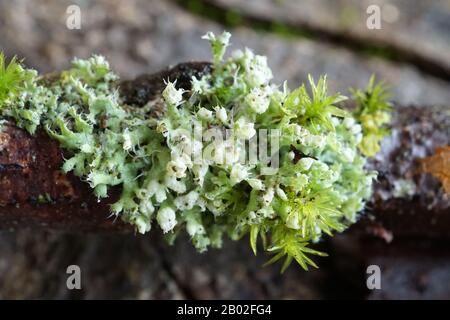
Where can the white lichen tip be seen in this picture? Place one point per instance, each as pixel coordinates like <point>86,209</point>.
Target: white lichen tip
<point>171,94</point>
<point>218,44</point>
<point>258,100</point>
<point>166,219</point>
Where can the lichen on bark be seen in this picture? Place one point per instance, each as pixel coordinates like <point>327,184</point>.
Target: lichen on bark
<point>319,188</point>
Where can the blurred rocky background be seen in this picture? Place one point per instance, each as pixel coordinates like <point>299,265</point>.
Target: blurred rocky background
<point>300,37</point>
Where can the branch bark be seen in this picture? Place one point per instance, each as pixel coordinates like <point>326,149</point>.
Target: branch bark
<point>35,192</point>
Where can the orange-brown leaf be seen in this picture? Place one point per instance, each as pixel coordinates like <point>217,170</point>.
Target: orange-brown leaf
<point>439,166</point>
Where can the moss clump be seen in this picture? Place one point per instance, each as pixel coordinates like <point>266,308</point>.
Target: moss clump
<point>374,113</point>
<point>194,168</point>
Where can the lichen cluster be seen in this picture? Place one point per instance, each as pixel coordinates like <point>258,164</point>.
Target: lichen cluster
<point>184,170</point>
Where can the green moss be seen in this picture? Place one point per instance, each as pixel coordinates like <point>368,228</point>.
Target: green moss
<point>183,182</point>
<point>13,78</point>
<point>373,111</point>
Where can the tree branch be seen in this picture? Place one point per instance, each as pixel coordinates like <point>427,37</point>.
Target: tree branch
<point>35,192</point>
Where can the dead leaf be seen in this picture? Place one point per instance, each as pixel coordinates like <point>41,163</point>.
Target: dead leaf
<point>439,166</point>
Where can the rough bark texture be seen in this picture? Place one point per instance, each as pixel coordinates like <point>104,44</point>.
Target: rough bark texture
<point>35,192</point>
<point>415,134</point>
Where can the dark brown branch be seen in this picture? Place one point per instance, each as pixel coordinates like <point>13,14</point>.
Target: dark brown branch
<point>34,191</point>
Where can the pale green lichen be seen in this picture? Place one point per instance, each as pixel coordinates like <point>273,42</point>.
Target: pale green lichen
<point>174,171</point>
<point>403,188</point>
